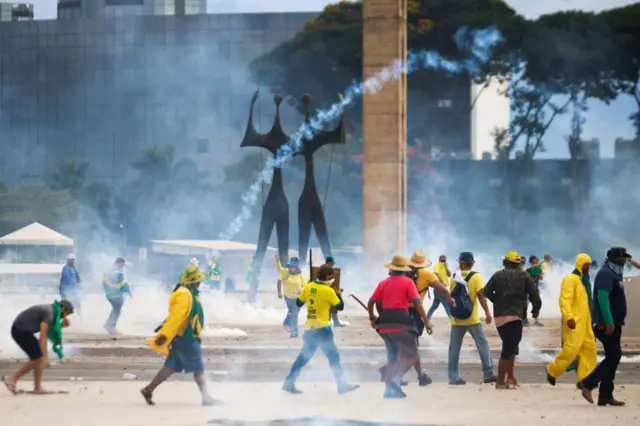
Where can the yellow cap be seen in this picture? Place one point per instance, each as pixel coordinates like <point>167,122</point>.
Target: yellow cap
<point>512,256</point>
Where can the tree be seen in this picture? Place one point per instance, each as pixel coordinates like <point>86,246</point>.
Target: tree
<point>68,175</point>
<point>32,202</point>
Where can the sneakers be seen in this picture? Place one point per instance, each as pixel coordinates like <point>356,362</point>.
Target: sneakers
<point>211,402</point>
<point>538,324</point>
<point>346,388</point>
<point>290,386</point>
<point>457,382</point>
<point>424,380</point>
<point>393,391</point>
<point>492,379</point>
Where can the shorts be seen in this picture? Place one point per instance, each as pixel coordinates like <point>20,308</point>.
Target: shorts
<point>511,335</point>
<point>27,342</point>
<point>401,342</point>
<point>185,356</point>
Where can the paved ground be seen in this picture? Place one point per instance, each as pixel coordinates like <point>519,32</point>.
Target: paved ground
<point>119,403</point>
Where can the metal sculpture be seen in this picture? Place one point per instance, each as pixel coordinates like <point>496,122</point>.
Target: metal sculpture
<point>310,209</point>
<point>275,211</point>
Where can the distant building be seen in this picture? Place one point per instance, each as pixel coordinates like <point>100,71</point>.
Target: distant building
<point>490,109</point>
<point>625,148</point>
<point>16,12</point>
<point>80,9</point>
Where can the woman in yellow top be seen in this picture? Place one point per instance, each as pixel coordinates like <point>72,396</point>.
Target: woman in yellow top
<point>441,269</point>
<point>179,337</point>
<point>293,282</point>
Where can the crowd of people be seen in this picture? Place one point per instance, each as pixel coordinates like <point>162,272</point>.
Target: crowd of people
<point>396,312</point>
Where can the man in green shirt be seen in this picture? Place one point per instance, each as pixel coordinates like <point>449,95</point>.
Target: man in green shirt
<point>535,271</point>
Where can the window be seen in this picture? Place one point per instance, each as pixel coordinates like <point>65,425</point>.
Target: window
<point>445,103</point>
<point>123,2</point>
<point>202,146</point>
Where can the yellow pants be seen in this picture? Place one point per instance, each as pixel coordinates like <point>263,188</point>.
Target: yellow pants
<point>577,343</point>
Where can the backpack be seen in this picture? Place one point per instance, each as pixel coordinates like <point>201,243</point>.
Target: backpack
<point>464,306</point>
<point>414,276</point>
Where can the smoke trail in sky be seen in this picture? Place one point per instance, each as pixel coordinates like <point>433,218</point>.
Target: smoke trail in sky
<point>477,44</point>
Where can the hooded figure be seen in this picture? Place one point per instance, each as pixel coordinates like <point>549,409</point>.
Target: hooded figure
<point>578,340</point>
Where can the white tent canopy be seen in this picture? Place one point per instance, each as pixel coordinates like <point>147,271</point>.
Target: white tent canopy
<point>201,247</point>
<point>36,234</point>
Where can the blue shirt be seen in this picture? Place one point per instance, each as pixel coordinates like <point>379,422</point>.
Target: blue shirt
<point>608,280</point>
<point>69,278</point>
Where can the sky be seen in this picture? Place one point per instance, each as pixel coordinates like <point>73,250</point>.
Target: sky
<point>605,122</point>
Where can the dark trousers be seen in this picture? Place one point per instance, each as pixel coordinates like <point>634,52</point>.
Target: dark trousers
<point>116,310</point>
<point>605,372</point>
<point>312,340</point>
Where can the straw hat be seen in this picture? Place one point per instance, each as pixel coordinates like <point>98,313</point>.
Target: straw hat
<point>419,260</point>
<point>398,264</point>
<point>192,275</point>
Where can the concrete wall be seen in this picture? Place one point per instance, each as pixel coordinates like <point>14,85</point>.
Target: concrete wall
<point>632,291</point>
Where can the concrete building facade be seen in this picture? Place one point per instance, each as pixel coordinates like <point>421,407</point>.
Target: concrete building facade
<point>15,12</point>
<point>92,9</point>
<point>105,89</point>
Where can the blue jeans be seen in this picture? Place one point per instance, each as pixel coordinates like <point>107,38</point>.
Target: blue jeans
<point>291,320</point>
<point>312,340</point>
<point>116,310</point>
<point>438,300</point>
<point>455,346</point>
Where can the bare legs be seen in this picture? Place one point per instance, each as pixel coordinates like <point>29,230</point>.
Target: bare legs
<point>506,374</point>
<point>164,374</point>
<point>38,367</point>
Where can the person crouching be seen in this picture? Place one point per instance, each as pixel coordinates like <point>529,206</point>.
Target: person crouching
<point>48,320</point>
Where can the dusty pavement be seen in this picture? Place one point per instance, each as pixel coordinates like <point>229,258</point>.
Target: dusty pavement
<point>119,403</point>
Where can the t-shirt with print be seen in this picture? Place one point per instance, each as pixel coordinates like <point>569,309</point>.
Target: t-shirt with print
<point>30,319</point>
<point>292,284</point>
<point>319,298</point>
<point>422,282</point>
<point>395,292</point>
<point>475,284</point>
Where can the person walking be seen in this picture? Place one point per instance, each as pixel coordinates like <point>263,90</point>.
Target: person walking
<point>179,337</point>
<point>70,283</point>
<point>48,320</point>
<point>441,269</point>
<point>115,288</point>
<point>214,273</point>
<point>535,270</point>
<point>290,285</point>
<point>609,314</point>
<point>319,298</point>
<point>395,325</point>
<point>578,340</point>
<point>465,318</point>
<point>508,290</point>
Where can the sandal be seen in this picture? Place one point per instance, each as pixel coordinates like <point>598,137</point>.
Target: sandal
<point>505,386</point>
<point>10,386</point>
<point>148,396</point>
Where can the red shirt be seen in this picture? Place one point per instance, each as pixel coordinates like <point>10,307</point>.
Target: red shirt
<point>395,292</point>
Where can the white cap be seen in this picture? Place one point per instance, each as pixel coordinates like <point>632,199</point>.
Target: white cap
<point>194,262</point>
<point>71,257</point>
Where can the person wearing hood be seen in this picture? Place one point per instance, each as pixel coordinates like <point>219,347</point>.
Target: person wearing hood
<point>290,285</point>
<point>609,314</point>
<point>578,340</point>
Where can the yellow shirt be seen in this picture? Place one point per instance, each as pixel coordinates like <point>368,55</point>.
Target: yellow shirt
<point>319,298</point>
<point>475,284</point>
<point>440,269</point>
<point>292,285</point>
<point>422,282</point>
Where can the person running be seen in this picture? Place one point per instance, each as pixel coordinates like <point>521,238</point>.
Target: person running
<point>609,314</point>
<point>115,288</point>
<point>334,312</point>
<point>536,273</point>
<point>292,281</point>
<point>508,290</point>
<point>70,283</point>
<point>319,298</point>
<point>441,269</point>
<point>578,340</point>
<point>48,320</point>
<point>395,325</point>
<point>179,337</point>
<point>469,321</point>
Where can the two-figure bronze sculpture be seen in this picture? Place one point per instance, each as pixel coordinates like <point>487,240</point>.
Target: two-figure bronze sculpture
<point>275,212</point>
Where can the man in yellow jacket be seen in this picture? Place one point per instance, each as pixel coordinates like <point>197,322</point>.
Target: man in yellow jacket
<point>293,282</point>
<point>179,337</point>
<point>578,340</point>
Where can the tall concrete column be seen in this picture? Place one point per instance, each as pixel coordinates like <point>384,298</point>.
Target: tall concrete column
<point>384,133</point>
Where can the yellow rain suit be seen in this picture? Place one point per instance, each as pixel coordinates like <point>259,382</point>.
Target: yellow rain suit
<point>579,342</point>
<point>175,324</point>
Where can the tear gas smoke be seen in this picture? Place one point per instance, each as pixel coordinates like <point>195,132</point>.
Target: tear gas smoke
<point>477,44</point>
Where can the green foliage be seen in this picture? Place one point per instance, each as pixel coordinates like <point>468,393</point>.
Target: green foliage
<point>68,175</point>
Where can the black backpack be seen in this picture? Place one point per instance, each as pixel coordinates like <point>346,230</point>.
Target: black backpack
<point>414,276</point>
<point>464,306</point>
